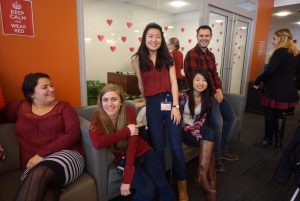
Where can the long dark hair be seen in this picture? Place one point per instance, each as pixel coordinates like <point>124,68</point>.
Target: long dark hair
<point>163,58</point>
<point>205,95</point>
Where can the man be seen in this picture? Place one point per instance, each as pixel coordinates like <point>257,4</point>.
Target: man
<point>223,118</point>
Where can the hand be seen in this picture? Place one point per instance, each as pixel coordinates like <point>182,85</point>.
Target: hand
<point>125,189</point>
<point>140,104</point>
<point>133,129</point>
<point>33,161</point>
<point>219,95</point>
<point>256,87</point>
<point>175,115</point>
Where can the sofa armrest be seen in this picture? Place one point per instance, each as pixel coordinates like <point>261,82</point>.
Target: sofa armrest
<point>9,141</point>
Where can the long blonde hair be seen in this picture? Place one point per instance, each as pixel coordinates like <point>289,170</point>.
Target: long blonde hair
<point>286,41</point>
<point>103,120</point>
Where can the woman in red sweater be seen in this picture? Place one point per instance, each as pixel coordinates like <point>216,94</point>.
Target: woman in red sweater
<point>113,125</point>
<point>48,132</point>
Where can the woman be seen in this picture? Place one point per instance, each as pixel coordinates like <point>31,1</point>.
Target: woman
<point>174,46</point>
<point>114,125</point>
<point>154,68</point>
<point>48,131</point>
<point>195,105</point>
<point>280,92</point>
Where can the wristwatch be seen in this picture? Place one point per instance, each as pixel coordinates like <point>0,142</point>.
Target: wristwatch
<point>177,106</point>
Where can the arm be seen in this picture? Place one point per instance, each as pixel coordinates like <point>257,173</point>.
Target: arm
<point>187,66</point>
<point>10,112</point>
<point>136,68</point>
<point>175,114</point>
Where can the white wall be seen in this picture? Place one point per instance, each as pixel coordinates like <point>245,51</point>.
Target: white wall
<point>100,59</point>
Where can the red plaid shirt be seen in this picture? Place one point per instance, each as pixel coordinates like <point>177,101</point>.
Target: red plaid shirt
<point>196,59</point>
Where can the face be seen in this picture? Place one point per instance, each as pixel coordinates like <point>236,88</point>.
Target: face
<point>44,92</point>
<point>203,37</point>
<point>111,103</point>
<point>275,40</point>
<point>199,83</point>
<point>153,39</point>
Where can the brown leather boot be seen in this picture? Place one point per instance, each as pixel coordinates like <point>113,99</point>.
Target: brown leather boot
<point>182,190</point>
<point>212,179</point>
<point>205,157</point>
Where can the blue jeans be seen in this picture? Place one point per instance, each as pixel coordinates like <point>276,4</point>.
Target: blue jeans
<point>149,179</point>
<point>190,140</point>
<point>157,121</point>
<point>222,121</point>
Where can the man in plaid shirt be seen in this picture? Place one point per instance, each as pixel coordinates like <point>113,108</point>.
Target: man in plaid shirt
<point>222,117</point>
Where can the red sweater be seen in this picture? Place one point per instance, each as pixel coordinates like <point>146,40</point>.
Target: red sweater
<point>43,135</point>
<point>136,145</point>
<point>178,61</point>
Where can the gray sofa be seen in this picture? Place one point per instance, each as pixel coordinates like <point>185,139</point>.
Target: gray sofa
<point>84,188</point>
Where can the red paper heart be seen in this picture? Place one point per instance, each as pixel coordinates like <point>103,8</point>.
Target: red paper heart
<point>221,32</point>
<point>240,36</point>
<point>166,28</point>
<point>123,38</point>
<point>182,48</point>
<point>100,37</point>
<point>239,47</point>
<point>140,39</point>
<point>109,21</point>
<point>210,49</point>
<point>221,23</point>
<point>129,24</point>
<point>218,50</point>
<point>217,40</point>
<point>190,40</point>
<point>113,48</point>
<point>182,29</point>
<point>131,49</point>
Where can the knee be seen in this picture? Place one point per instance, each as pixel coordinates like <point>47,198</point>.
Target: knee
<point>147,192</point>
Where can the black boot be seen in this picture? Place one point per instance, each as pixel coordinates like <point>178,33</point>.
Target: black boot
<point>269,130</point>
<point>279,131</point>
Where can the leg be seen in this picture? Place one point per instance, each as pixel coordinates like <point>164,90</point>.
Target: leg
<point>157,175</point>
<point>279,128</point>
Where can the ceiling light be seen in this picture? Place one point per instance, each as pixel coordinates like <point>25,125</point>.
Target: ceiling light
<point>243,28</point>
<point>136,31</point>
<point>178,4</point>
<point>298,23</point>
<point>170,27</point>
<point>219,21</point>
<point>282,13</point>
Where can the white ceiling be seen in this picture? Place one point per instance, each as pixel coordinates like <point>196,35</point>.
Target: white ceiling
<point>287,21</point>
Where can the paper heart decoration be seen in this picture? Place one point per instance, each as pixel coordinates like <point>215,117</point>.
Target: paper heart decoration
<point>100,37</point>
<point>217,40</point>
<point>131,49</point>
<point>166,28</point>
<point>113,48</point>
<point>236,33</point>
<point>235,43</point>
<point>182,48</point>
<point>221,23</point>
<point>221,32</point>
<point>182,29</point>
<point>210,49</point>
<point>212,25</point>
<point>123,39</point>
<point>218,50</point>
<point>109,21</point>
<point>240,36</point>
<point>190,40</point>
<point>239,47</point>
<point>234,62</point>
<point>239,57</point>
<point>129,24</point>
<point>140,39</point>
<point>217,64</point>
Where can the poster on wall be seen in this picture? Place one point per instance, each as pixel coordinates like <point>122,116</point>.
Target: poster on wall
<point>17,17</point>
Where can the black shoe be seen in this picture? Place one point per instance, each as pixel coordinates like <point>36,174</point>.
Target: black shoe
<point>262,144</point>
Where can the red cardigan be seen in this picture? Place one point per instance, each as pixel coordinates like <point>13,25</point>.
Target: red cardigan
<point>43,135</point>
<point>136,145</point>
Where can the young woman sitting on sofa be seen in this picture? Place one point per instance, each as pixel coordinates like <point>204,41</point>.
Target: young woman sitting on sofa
<point>113,125</point>
<point>48,132</point>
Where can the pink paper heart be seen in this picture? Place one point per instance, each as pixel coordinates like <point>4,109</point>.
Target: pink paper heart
<point>109,21</point>
<point>210,49</point>
<point>123,38</point>
<point>182,29</point>
<point>140,39</point>
<point>113,48</point>
<point>221,32</point>
<point>182,48</point>
<point>166,28</point>
<point>129,24</point>
<point>190,40</point>
<point>131,49</point>
<point>100,37</point>
<point>218,50</point>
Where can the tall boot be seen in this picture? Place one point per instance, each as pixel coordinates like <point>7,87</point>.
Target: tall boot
<point>182,190</point>
<point>269,131</point>
<point>205,157</point>
<point>279,131</point>
<point>212,178</point>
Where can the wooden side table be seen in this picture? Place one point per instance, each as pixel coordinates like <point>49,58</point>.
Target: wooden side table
<point>129,83</point>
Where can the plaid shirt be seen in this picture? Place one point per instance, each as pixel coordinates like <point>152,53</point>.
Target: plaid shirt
<point>196,59</point>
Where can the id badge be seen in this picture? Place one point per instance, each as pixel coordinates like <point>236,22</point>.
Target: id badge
<point>165,106</point>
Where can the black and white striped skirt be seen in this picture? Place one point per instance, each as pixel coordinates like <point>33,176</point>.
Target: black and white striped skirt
<point>71,162</point>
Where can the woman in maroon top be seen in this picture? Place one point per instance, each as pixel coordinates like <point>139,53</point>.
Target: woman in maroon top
<point>49,137</point>
<point>114,125</point>
<point>154,68</point>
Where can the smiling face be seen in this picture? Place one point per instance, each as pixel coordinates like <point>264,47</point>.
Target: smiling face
<point>199,83</point>
<point>111,103</point>
<point>153,39</point>
<point>203,37</point>
<point>44,92</point>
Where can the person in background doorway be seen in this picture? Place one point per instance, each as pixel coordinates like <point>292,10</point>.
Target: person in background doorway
<point>48,132</point>
<point>114,125</point>
<point>154,68</point>
<point>223,118</point>
<point>174,46</point>
<point>280,92</point>
<point>195,106</point>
